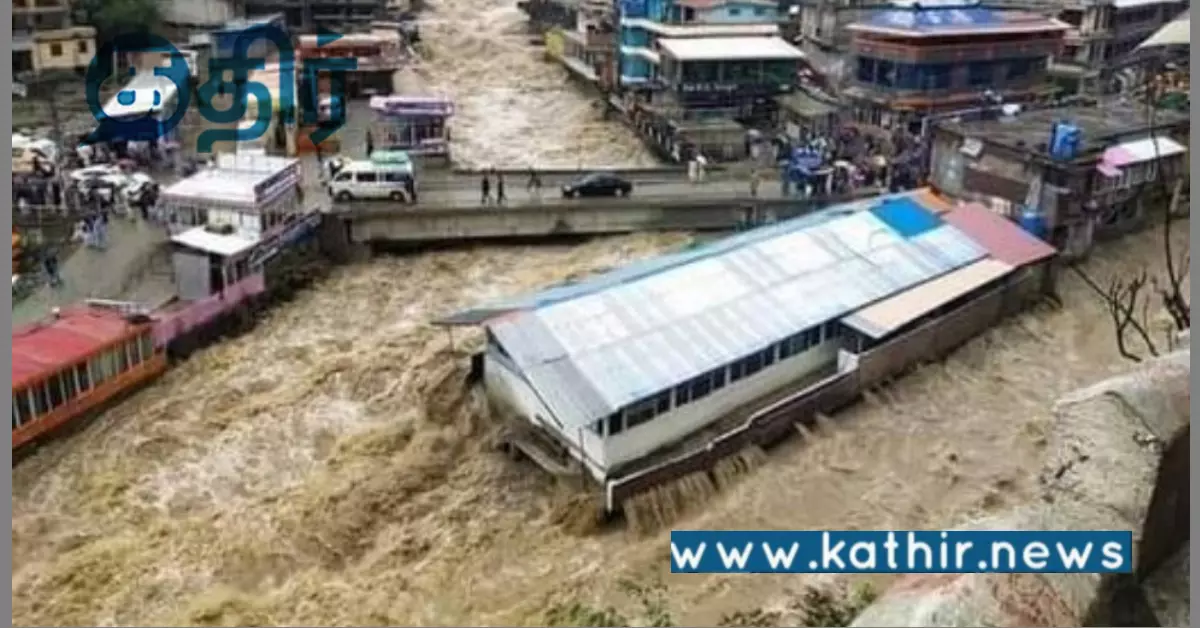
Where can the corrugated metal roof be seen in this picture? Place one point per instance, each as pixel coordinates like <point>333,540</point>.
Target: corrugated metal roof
<point>200,238</point>
<point>636,270</point>
<point>884,317</point>
<point>599,351</point>
<point>1177,32</point>
<point>1003,239</point>
<point>59,342</point>
<point>953,20</point>
<point>729,48</point>
<point>237,178</point>
<point>1141,151</point>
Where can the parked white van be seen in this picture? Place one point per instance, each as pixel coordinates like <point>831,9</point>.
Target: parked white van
<point>367,180</point>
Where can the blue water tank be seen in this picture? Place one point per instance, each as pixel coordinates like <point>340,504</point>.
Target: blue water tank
<point>1034,223</point>
<point>1065,141</point>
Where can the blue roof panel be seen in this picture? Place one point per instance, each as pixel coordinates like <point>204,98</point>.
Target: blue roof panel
<point>937,18</point>
<point>906,216</point>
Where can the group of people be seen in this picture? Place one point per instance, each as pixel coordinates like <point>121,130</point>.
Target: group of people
<point>851,159</point>
<point>533,187</point>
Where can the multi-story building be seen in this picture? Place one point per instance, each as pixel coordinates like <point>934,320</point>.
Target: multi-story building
<point>694,74</point>
<point>914,59</point>
<point>44,39</point>
<point>588,47</point>
<point>307,15</point>
<point>643,23</point>
<point>1121,168</point>
<point>1100,52</point>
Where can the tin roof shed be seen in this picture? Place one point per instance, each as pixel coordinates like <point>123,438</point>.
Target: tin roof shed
<point>71,337</point>
<point>591,349</point>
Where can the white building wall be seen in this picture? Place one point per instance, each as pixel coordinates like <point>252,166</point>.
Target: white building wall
<point>198,12</point>
<point>505,387</point>
<point>678,423</point>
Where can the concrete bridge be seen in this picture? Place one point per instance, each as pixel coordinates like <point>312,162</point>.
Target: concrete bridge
<point>457,214</point>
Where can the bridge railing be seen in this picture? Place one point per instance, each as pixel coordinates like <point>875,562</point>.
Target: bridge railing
<point>703,195</point>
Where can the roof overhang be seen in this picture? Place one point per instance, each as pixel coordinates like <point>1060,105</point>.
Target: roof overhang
<point>885,317</point>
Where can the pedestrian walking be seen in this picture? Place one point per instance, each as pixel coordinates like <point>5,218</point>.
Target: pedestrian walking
<point>485,190</point>
<point>50,263</point>
<point>411,186</point>
<point>370,144</point>
<point>534,186</point>
<point>100,230</point>
<point>500,197</point>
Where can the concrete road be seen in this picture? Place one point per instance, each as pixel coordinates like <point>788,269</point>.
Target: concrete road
<point>552,196</point>
<point>130,268</point>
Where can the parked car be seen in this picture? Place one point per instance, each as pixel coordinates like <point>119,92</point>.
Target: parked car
<point>597,184</point>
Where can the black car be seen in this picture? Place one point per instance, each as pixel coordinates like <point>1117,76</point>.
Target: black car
<point>597,184</point>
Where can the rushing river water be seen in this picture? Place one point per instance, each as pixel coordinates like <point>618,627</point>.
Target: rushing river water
<point>328,468</point>
<point>514,108</point>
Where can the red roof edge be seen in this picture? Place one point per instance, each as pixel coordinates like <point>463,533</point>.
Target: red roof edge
<point>1003,239</point>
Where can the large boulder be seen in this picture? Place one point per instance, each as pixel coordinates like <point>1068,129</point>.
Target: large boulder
<point>1117,458</point>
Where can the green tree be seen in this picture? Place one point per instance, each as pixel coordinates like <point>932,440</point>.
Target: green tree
<point>115,17</point>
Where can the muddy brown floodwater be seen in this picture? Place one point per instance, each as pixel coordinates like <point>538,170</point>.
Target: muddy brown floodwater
<point>328,469</point>
<point>514,108</point>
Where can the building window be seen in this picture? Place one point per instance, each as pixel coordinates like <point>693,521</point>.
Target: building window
<point>615,424</point>
<point>754,364</point>
<point>759,11</point>
<point>1019,68</point>
<point>662,402</point>
<point>689,14</point>
<point>734,12</point>
<point>866,70</point>
<point>718,379</point>
<point>70,387</point>
<point>56,50</point>
<point>683,393</point>
<point>54,386</point>
<point>980,74</point>
<point>122,358</point>
<point>82,47</point>
<point>147,342</point>
<point>639,413</point>
<point>41,399</point>
<point>81,376</point>
<point>885,73</point>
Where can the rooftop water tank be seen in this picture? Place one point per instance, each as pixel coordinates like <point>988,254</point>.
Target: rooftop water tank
<point>1065,141</point>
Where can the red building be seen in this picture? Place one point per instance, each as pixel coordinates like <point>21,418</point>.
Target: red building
<point>378,55</point>
<point>915,59</point>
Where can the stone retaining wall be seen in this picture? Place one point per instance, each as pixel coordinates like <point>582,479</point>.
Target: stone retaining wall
<point>1117,459</point>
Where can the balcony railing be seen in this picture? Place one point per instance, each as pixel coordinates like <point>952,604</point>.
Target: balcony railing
<point>982,51</point>
<point>592,39</point>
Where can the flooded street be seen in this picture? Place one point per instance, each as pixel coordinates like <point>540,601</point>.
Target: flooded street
<point>329,469</point>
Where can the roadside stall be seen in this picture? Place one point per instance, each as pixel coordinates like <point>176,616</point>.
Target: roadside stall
<point>250,193</point>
